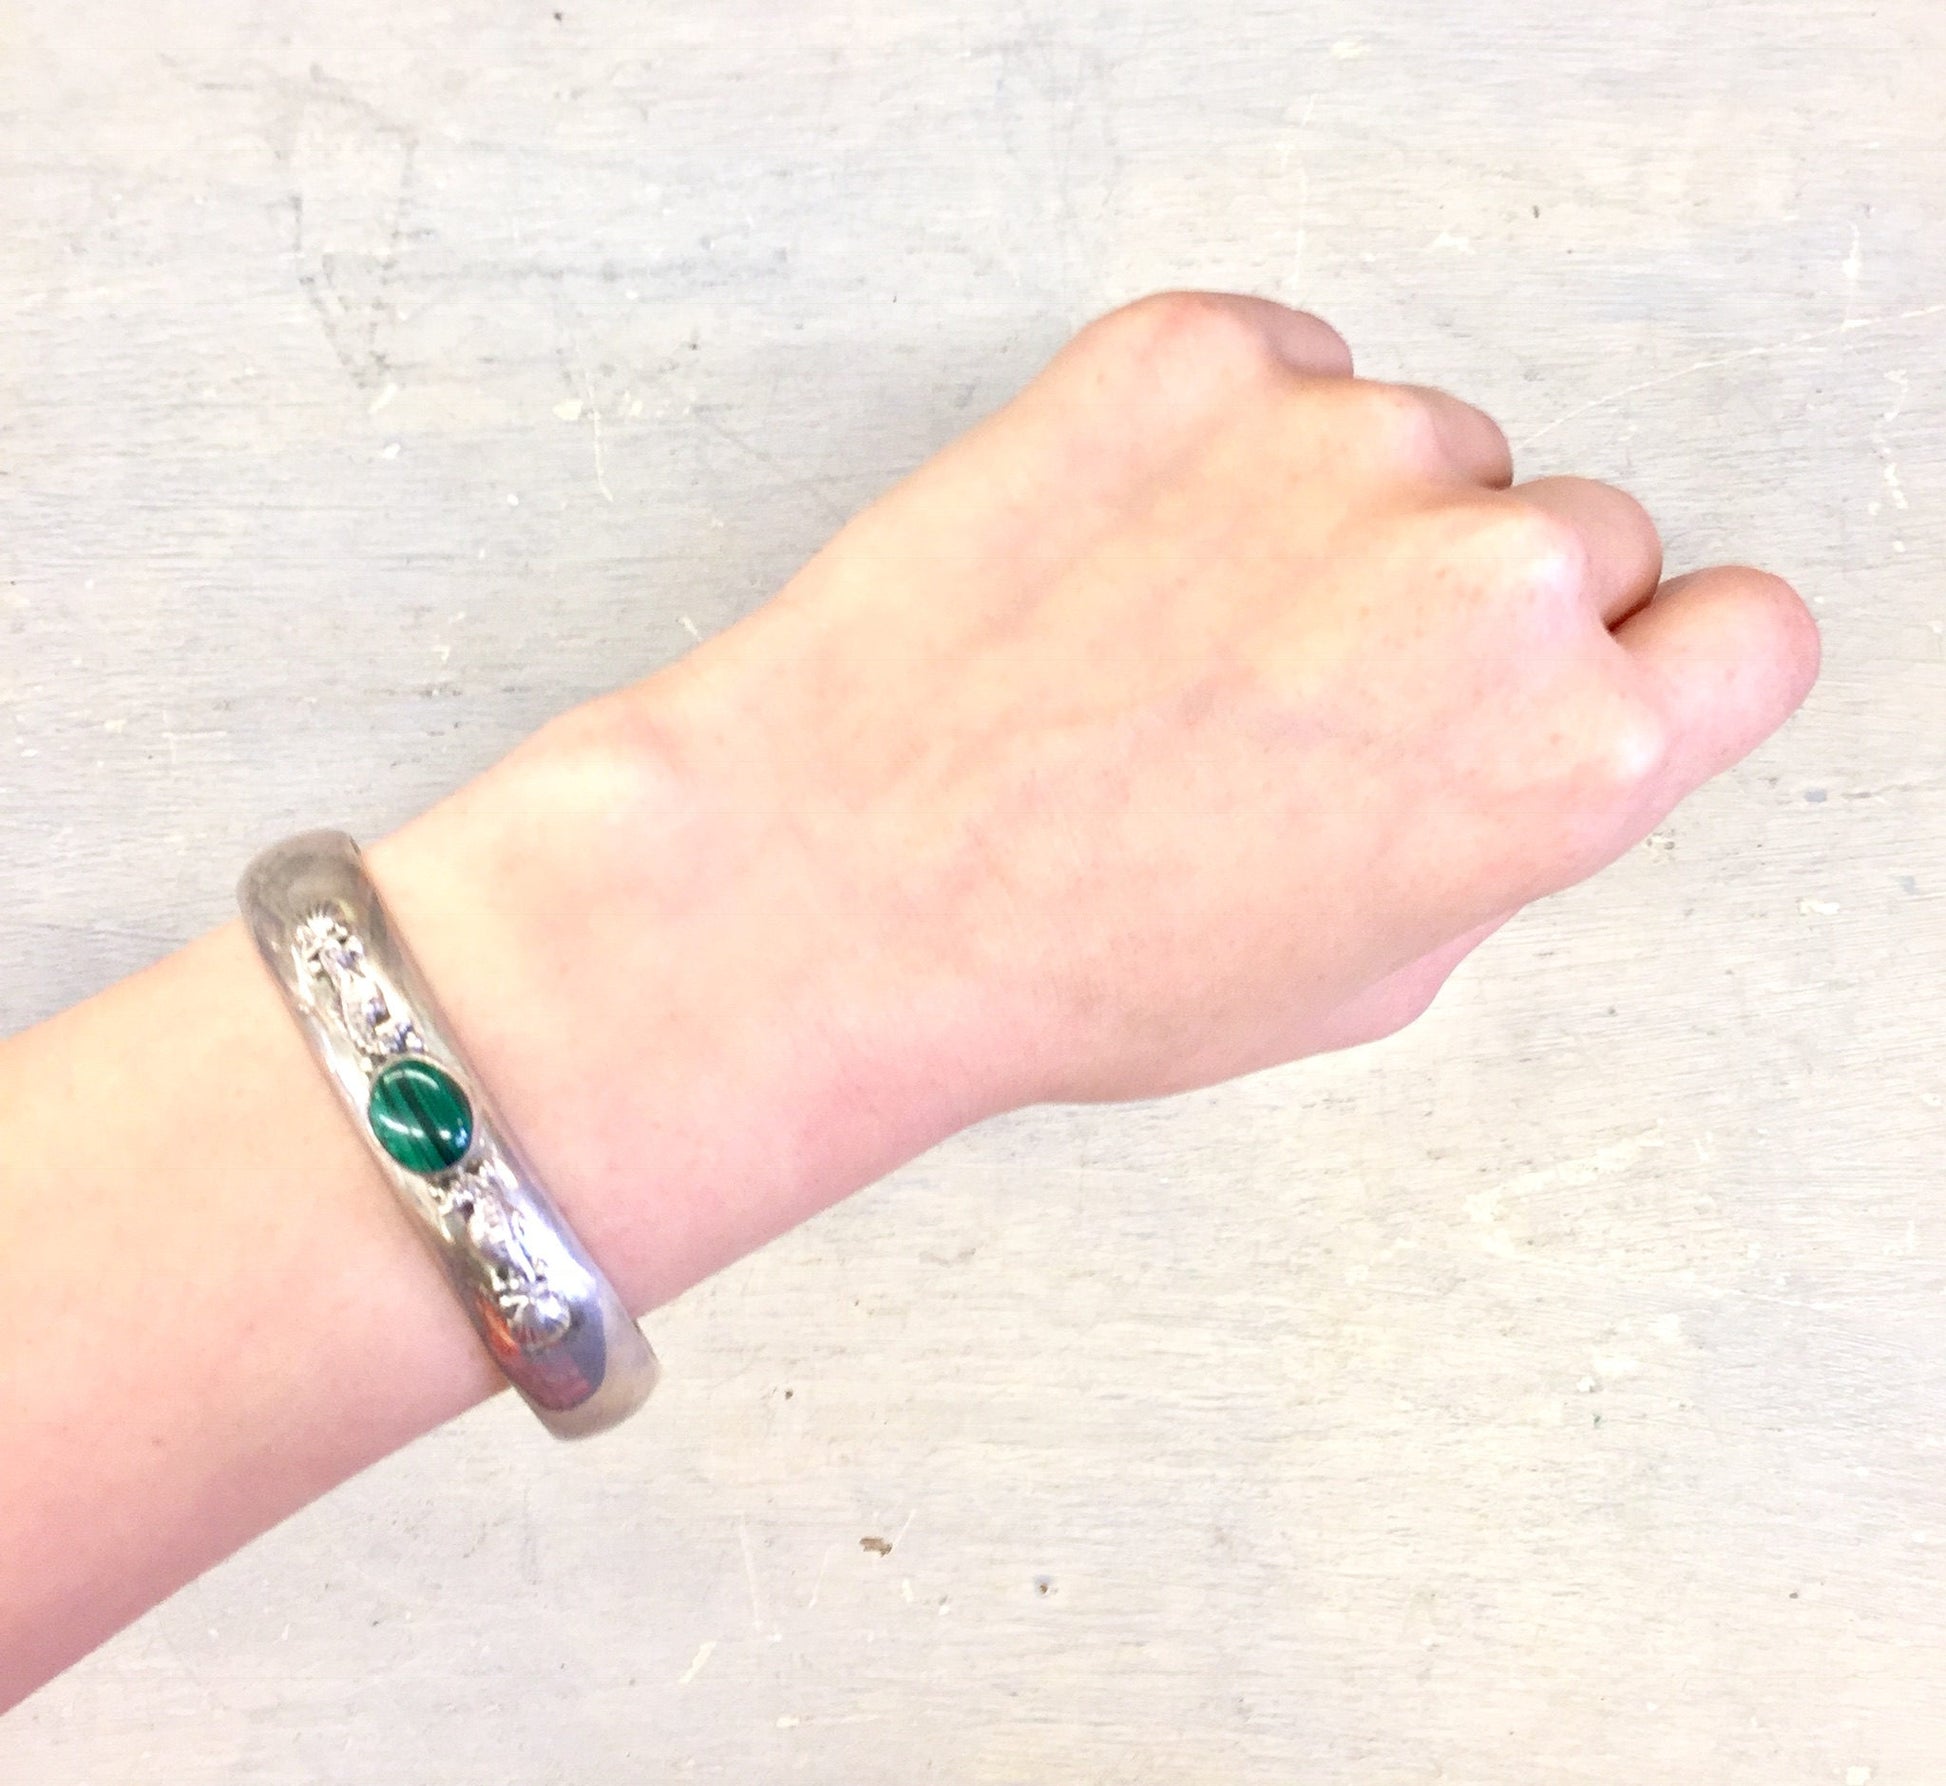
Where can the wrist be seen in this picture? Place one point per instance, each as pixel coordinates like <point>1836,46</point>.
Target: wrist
<point>697,1035</point>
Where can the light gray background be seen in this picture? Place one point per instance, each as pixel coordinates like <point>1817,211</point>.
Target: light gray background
<point>1553,1394</point>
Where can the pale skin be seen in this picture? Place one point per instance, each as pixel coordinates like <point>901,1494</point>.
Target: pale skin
<point>1198,711</point>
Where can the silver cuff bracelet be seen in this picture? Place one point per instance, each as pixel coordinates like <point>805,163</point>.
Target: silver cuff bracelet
<point>552,1323</point>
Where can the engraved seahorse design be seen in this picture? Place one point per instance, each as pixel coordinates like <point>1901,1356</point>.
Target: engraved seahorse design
<point>328,951</point>
<point>481,1195</point>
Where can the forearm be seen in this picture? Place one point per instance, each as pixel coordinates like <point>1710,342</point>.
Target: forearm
<point>1196,712</point>
<point>222,1318</point>
<point>218,1312</point>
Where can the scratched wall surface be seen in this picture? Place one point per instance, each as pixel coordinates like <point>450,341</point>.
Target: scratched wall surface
<point>1556,1393</point>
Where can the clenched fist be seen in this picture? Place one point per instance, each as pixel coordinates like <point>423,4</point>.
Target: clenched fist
<point>1202,707</point>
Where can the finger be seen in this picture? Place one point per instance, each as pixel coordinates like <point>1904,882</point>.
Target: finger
<point>1195,350</point>
<point>1472,439</point>
<point>1304,342</point>
<point>1728,655</point>
<point>1624,550</point>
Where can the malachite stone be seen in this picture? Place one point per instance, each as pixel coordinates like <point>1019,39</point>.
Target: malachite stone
<point>420,1115</point>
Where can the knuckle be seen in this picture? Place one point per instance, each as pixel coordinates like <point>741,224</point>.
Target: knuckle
<point>1607,776</point>
<point>1201,333</point>
<point>1530,552</point>
<point>1626,751</point>
<point>1388,424</point>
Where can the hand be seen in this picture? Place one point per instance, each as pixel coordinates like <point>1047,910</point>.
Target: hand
<point>1198,710</point>
<point>1202,708</point>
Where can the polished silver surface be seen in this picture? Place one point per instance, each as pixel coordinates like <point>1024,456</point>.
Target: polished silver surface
<point>552,1323</point>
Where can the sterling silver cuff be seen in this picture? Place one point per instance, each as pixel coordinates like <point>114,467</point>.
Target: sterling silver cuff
<point>550,1320</point>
